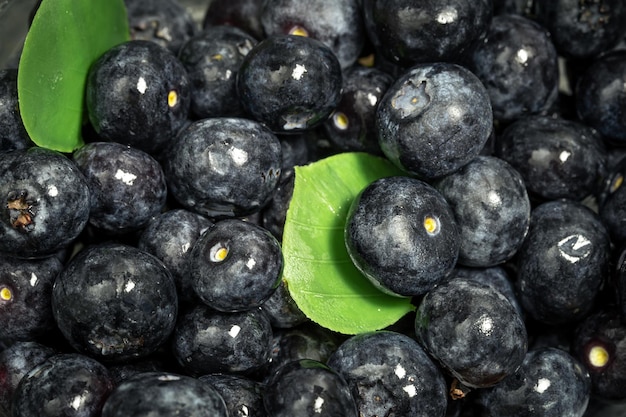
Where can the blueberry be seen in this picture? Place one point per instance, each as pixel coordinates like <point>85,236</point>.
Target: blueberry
<point>208,341</point>
<point>13,134</point>
<point>491,207</point>
<point>164,394</point>
<point>550,382</point>
<point>65,384</point>
<point>338,24</point>
<point>170,236</point>
<point>473,331</point>
<point>235,265</point>
<point>290,83</point>
<point>212,59</point>
<point>138,94</point>
<point>401,234</point>
<point>518,65</point>
<point>115,302</point>
<point>600,344</point>
<point>308,388</point>
<point>127,186</point>
<point>600,96</point>
<point>557,158</point>
<point>273,215</point>
<point>351,126</point>
<point>242,14</point>
<point>582,29</point>
<point>282,310</point>
<point>165,22</point>
<point>434,119</point>
<point>406,32</point>
<point>390,374</point>
<point>243,396</point>
<point>224,167</point>
<point>45,202</point>
<point>563,262</point>
<point>26,297</point>
<point>15,362</point>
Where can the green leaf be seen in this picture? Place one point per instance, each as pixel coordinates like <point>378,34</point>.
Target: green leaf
<point>318,271</point>
<point>65,38</point>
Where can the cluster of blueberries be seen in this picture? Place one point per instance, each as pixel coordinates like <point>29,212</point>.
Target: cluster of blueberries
<point>141,274</point>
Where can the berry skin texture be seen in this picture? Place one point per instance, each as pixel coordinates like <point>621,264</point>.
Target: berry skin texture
<point>563,262</point>
<point>473,331</point>
<point>308,388</point>
<point>401,234</point>
<point>224,167</point>
<point>164,394</point>
<point>290,83</point>
<point>491,207</point>
<point>12,131</point>
<point>138,94</point>
<point>115,302</point>
<point>434,119</point>
<point>390,374</point>
<point>44,202</point>
<point>235,265</point>
<point>550,382</point>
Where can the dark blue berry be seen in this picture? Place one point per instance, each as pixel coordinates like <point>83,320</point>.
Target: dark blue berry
<point>242,14</point>
<point>115,302</point>
<point>282,310</point>
<point>290,83</point>
<point>13,134</point>
<point>235,265</point>
<point>224,167</point>
<point>389,373</point>
<point>243,396</point>
<point>401,234</point>
<point>434,119</point>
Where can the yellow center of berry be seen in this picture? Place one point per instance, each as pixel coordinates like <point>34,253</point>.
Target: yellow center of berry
<point>172,98</point>
<point>340,120</point>
<point>617,182</point>
<point>598,356</point>
<point>218,253</point>
<point>6,294</point>
<point>431,224</point>
<point>299,31</point>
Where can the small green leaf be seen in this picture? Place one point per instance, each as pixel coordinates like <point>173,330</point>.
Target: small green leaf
<point>65,38</point>
<point>320,276</point>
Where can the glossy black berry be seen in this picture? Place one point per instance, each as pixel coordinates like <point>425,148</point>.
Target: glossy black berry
<point>242,14</point>
<point>557,158</point>
<point>473,331</point>
<point>401,234</point>
<point>127,186</point>
<point>212,59</point>
<point>600,344</point>
<point>308,388</point>
<point>434,119</point>
<point>224,167</point>
<point>26,298</point>
<point>164,394</point>
<point>352,126</point>
<point>563,262</point>
<point>170,236</point>
<point>407,32</point>
<point>115,302</point>
<point>600,96</point>
<point>282,310</point>
<point>165,22</point>
<point>491,207</point>
<point>235,265</point>
<point>13,135</point>
<point>612,209</point>
<point>582,29</point>
<point>207,341</point>
<point>290,83</point>
<point>389,373</point>
<point>45,202</point>
<point>243,396</point>
<point>550,382</point>
<point>138,94</point>
<point>517,63</point>
<point>15,362</point>
<point>338,24</point>
<point>66,384</point>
